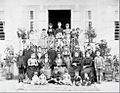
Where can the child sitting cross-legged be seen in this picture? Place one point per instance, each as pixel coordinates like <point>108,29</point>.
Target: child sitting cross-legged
<point>35,79</point>
<point>66,79</point>
<point>42,79</point>
<point>77,79</point>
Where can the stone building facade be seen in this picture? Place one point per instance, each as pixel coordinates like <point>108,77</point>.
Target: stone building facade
<point>16,14</point>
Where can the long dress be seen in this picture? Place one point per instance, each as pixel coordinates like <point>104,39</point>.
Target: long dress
<point>87,62</point>
<point>43,40</point>
<point>67,32</point>
<point>81,40</point>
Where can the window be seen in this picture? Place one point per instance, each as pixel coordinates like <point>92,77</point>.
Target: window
<point>31,14</point>
<point>117,24</point>
<point>31,26</point>
<point>2,34</point>
<point>89,15</point>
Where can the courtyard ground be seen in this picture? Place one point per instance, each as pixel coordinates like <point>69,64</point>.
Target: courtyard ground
<point>12,86</point>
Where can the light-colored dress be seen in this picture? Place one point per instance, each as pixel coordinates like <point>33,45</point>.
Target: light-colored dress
<point>35,80</point>
<point>15,69</point>
<point>82,40</point>
<point>67,31</point>
<point>42,79</point>
<point>43,40</point>
<point>66,79</point>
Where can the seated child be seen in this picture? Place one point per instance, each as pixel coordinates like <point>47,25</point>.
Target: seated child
<point>42,79</point>
<point>66,79</point>
<point>77,79</point>
<point>32,66</point>
<point>86,80</point>
<point>35,79</point>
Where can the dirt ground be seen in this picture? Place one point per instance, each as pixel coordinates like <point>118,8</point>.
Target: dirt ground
<point>12,86</point>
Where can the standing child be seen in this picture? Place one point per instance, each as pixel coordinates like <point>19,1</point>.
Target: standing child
<point>99,67</point>
<point>21,66</point>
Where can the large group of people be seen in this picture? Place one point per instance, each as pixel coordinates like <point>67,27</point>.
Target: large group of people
<point>59,59</point>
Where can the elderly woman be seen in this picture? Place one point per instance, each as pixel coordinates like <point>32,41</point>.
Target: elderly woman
<point>87,69</point>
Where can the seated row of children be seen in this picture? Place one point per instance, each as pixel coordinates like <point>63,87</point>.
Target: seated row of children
<point>44,70</point>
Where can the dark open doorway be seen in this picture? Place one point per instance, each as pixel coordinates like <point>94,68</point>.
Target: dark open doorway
<point>63,16</point>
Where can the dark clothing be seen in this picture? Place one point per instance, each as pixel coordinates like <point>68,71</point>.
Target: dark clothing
<point>78,59</point>
<point>87,62</point>
<point>88,69</point>
<point>51,32</point>
<point>21,61</point>
<point>21,67</point>
<point>31,70</point>
<point>21,70</point>
<point>80,54</point>
<point>73,34</point>
<point>72,71</point>
<point>59,30</point>
<point>92,53</point>
<point>27,54</point>
<point>52,56</point>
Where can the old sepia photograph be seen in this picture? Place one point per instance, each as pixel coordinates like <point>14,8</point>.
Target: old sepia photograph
<point>59,46</point>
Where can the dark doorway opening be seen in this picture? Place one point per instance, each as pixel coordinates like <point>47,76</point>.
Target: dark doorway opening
<point>63,16</point>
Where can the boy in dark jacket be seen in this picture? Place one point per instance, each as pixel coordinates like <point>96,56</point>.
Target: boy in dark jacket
<point>21,66</point>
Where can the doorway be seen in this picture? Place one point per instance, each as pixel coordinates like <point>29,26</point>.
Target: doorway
<point>63,16</point>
